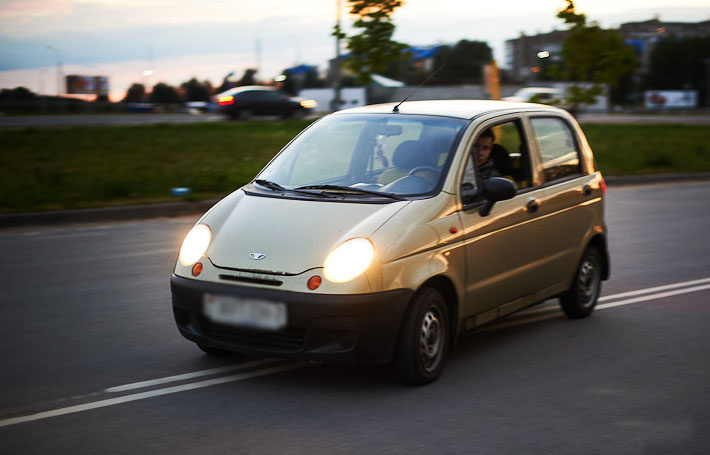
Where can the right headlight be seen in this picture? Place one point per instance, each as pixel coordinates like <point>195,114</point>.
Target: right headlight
<point>195,244</point>
<point>348,260</point>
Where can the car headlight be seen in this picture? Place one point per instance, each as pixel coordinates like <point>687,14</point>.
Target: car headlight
<point>348,260</point>
<point>195,244</point>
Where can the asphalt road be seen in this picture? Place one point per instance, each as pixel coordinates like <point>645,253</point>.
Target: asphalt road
<point>86,319</point>
<point>36,121</point>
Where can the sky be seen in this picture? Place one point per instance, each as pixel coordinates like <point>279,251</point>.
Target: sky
<point>207,39</point>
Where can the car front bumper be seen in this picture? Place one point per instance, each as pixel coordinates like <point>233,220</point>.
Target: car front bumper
<point>323,327</point>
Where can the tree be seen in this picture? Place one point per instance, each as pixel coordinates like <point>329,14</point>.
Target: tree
<point>17,93</point>
<point>687,58</point>
<point>590,54</point>
<point>373,47</point>
<point>462,63</point>
<point>248,77</point>
<point>164,93</point>
<point>135,93</point>
<point>194,90</point>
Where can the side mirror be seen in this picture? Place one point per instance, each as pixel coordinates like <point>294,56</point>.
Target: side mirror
<point>496,189</point>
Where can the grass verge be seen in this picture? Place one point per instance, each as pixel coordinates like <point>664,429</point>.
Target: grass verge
<point>50,169</point>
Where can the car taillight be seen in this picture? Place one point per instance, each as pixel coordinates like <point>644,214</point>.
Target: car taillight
<point>225,100</point>
<point>602,184</point>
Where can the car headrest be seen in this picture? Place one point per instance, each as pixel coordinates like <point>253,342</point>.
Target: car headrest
<point>410,154</point>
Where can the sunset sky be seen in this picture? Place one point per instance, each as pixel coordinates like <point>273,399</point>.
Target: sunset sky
<point>207,39</point>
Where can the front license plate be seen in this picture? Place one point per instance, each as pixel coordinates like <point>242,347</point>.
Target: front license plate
<point>245,312</point>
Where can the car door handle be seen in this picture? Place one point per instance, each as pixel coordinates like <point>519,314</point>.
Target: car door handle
<point>587,190</point>
<point>533,205</point>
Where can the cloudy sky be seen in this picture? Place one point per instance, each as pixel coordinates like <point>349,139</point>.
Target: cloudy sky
<point>179,39</point>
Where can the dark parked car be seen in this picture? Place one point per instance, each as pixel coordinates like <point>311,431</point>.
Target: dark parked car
<point>247,101</point>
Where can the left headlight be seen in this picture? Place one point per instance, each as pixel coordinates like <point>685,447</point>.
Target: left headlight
<point>195,244</point>
<point>308,104</point>
<point>348,260</point>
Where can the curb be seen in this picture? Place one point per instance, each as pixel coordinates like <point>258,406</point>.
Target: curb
<point>175,209</point>
<point>123,213</point>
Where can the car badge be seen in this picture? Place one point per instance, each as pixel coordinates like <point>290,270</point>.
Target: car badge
<point>257,256</point>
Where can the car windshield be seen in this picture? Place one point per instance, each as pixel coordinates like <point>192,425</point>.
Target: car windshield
<point>364,155</point>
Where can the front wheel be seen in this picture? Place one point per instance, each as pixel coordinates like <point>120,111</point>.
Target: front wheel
<point>424,339</point>
<point>582,297</point>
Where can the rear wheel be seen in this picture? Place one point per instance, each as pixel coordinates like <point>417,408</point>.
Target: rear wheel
<point>582,297</point>
<point>244,114</point>
<point>424,339</point>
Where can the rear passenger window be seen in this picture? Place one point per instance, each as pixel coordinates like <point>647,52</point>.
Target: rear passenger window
<point>558,147</point>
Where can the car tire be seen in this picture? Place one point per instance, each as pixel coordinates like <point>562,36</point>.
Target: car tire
<point>424,339</point>
<point>582,297</point>
<point>298,113</point>
<point>244,114</point>
<point>213,351</point>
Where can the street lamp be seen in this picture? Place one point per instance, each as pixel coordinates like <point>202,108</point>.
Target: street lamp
<point>60,64</point>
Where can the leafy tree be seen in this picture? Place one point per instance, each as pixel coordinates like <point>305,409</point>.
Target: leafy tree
<point>680,64</point>
<point>590,54</point>
<point>462,63</point>
<point>195,90</point>
<point>373,47</point>
<point>17,93</point>
<point>248,77</point>
<point>164,93</point>
<point>135,93</point>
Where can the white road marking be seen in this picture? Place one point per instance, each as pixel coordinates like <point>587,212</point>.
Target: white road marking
<point>556,313</point>
<point>181,377</point>
<point>149,394</point>
<point>655,289</point>
<point>292,366</point>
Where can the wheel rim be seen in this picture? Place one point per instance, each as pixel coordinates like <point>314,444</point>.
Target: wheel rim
<point>588,284</point>
<point>431,340</point>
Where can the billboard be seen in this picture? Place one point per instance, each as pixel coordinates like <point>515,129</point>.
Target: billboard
<point>87,85</point>
<point>671,99</point>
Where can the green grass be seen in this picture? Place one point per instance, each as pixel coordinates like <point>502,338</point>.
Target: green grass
<point>46,169</point>
<point>649,149</point>
<point>52,168</point>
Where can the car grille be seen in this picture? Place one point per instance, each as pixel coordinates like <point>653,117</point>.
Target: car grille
<point>279,341</point>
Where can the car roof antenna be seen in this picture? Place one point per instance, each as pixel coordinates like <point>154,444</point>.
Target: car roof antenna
<point>396,108</point>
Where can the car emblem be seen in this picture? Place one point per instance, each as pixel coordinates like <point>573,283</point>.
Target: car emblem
<point>257,256</point>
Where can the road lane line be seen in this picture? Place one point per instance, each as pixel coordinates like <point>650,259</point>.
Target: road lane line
<point>653,297</point>
<point>149,394</point>
<point>545,309</point>
<point>655,289</point>
<point>181,377</point>
<point>558,313</point>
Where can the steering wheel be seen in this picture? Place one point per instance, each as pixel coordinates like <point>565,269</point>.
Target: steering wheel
<point>432,169</point>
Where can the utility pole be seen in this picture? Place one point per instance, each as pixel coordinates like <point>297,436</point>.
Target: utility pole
<point>60,70</point>
<point>336,103</point>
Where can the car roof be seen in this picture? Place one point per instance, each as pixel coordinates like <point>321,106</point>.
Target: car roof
<point>245,88</point>
<point>465,109</point>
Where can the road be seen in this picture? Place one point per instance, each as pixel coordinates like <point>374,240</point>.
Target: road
<point>92,363</point>
<point>36,121</point>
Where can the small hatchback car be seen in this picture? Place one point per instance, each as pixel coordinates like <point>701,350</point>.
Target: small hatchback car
<point>382,233</point>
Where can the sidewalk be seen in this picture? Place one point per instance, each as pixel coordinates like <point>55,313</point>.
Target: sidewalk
<point>175,209</point>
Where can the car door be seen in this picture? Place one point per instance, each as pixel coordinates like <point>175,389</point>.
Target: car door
<point>502,249</point>
<point>569,198</point>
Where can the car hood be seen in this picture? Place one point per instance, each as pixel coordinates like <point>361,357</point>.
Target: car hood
<point>292,235</point>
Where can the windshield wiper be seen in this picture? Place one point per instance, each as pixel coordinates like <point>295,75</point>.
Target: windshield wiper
<point>350,189</point>
<point>270,185</point>
<point>275,186</point>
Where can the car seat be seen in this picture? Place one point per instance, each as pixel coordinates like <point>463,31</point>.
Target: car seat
<point>407,156</point>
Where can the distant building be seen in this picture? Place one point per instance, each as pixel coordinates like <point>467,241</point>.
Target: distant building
<point>525,55</point>
<point>643,36</point>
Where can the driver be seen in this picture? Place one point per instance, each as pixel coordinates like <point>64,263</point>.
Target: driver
<point>481,151</point>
